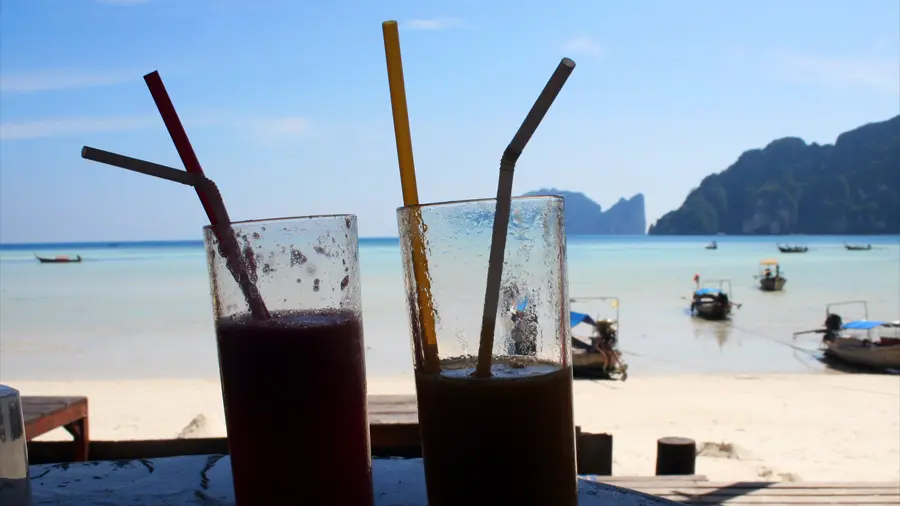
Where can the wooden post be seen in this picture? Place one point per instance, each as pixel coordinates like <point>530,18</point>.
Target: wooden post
<point>675,456</point>
<point>594,453</point>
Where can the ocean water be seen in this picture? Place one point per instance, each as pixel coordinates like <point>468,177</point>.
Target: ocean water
<point>142,310</point>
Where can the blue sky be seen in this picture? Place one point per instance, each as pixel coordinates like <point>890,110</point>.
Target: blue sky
<point>287,102</point>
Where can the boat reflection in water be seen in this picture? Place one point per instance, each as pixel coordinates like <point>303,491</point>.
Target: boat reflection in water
<point>718,330</point>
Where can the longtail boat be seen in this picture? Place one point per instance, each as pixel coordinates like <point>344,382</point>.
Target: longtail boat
<point>873,344</point>
<point>58,259</point>
<point>770,281</point>
<point>597,356</point>
<point>712,303</point>
<point>787,248</point>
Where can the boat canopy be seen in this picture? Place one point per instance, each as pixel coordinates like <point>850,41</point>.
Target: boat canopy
<point>707,291</point>
<point>522,305</point>
<point>576,318</point>
<point>769,261</point>
<point>863,325</point>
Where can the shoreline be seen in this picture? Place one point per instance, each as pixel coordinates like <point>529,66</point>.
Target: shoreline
<point>194,242</point>
<point>750,427</point>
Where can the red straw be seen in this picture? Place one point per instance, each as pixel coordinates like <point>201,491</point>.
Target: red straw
<point>192,164</point>
<point>179,136</point>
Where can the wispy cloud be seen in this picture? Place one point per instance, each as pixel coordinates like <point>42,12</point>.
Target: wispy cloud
<point>289,126</point>
<point>583,44</point>
<point>434,24</point>
<point>874,73</point>
<point>63,127</point>
<point>277,127</point>
<point>60,79</point>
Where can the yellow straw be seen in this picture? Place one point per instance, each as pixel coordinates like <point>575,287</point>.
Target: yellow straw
<point>410,193</point>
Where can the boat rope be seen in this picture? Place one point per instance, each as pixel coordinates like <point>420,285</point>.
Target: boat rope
<point>774,340</point>
<point>809,353</point>
<point>658,359</point>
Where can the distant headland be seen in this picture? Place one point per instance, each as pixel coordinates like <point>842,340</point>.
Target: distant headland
<point>791,187</point>
<point>586,217</point>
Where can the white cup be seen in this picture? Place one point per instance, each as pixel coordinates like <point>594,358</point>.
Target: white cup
<point>15,486</point>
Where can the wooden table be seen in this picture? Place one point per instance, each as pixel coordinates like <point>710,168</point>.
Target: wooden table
<point>43,414</point>
<point>700,492</point>
<point>206,480</point>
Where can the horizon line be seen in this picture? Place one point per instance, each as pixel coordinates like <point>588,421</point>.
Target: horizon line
<point>200,241</point>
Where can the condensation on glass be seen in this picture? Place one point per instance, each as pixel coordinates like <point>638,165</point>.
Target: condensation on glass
<point>532,316</point>
<point>296,263</point>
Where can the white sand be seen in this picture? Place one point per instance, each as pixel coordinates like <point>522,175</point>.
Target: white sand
<point>812,427</point>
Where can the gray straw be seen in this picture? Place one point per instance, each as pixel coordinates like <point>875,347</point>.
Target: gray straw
<point>501,214</point>
<point>137,165</point>
<point>228,246</point>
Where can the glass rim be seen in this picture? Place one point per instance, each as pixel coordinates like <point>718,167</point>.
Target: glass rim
<point>284,218</point>
<point>476,201</point>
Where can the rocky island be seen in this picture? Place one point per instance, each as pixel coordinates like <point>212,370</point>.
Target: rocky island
<point>586,217</point>
<point>791,187</point>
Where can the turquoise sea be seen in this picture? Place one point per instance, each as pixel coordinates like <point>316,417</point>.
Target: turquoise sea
<point>142,310</point>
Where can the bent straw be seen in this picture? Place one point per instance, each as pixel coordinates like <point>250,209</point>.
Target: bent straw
<point>199,182</point>
<point>136,165</point>
<point>156,170</point>
<point>410,195</point>
<point>212,201</point>
<point>501,215</point>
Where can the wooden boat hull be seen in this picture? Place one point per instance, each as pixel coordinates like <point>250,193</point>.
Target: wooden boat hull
<point>858,248</point>
<point>595,365</point>
<point>856,352</point>
<point>792,250</point>
<point>712,311</point>
<point>59,260</point>
<point>772,284</point>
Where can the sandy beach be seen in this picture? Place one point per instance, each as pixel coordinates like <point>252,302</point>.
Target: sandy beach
<point>778,427</point>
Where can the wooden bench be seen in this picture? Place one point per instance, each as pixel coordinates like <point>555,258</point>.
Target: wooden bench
<point>394,426</point>
<point>691,490</point>
<point>388,409</point>
<point>393,429</point>
<point>44,413</point>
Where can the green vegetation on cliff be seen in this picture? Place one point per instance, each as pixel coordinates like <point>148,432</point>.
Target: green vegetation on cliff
<point>790,187</point>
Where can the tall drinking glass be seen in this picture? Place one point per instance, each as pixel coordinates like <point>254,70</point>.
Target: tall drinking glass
<point>508,438</point>
<point>294,385</point>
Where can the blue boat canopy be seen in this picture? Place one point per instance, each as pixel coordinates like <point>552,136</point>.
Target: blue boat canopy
<point>862,325</point>
<point>707,291</point>
<point>522,305</point>
<point>576,318</point>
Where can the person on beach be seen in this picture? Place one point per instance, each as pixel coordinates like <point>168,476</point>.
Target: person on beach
<point>524,333</point>
<point>605,342</point>
<point>522,323</point>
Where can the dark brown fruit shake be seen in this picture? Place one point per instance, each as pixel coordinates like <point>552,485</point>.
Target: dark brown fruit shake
<point>294,388</point>
<point>508,439</point>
